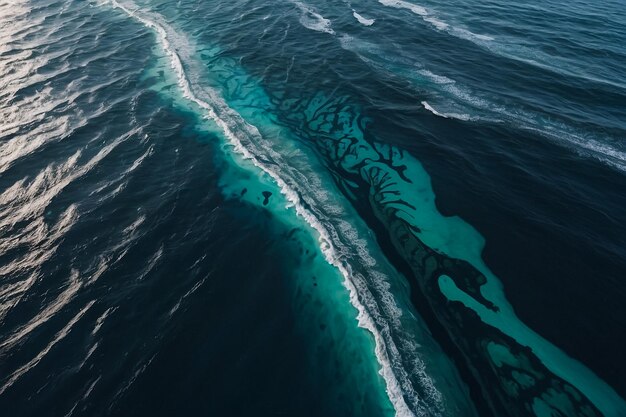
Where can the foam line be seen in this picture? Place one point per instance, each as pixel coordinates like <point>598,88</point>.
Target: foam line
<point>464,117</point>
<point>332,255</point>
<point>311,19</point>
<point>436,23</point>
<point>362,20</point>
<point>597,148</point>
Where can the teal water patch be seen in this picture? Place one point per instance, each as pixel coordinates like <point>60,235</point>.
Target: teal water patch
<point>445,253</point>
<point>452,237</point>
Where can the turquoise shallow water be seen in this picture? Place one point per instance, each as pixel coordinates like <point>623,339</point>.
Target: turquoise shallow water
<point>312,208</point>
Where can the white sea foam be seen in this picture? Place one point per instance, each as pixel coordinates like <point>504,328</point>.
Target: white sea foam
<point>437,23</point>
<point>464,117</point>
<point>438,79</point>
<point>362,20</point>
<point>400,4</point>
<point>579,142</point>
<point>471,36</point>
<point>510,48</point>
<point>584,145</point>
<point>369,317</point>
<point>311,19</point>
<point>449,85</point>
<point>597,148</point>
<point>433,111</point>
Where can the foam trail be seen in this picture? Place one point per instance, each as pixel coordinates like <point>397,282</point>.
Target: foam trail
<point>433,111</point>
<point>436,23</point>
<point>515,50</point>
<point>332,255</point>
<point>575,140</point>
<point>400,4</point>
<point>311,19</point>
<point>362,20</point>
<point>586,145</point>
<point>464,117</point>
<point>437,79</point>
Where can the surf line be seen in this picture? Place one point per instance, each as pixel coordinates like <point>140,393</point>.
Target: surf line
<point>393,385</point>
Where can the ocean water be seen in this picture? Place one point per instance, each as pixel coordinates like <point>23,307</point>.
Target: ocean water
<point>310,208</point>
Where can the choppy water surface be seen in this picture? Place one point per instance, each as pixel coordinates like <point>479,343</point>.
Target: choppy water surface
<point>312,208</point>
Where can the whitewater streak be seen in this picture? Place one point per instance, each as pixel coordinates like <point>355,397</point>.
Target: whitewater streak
<point>394,387</point>
<point>464,117</point>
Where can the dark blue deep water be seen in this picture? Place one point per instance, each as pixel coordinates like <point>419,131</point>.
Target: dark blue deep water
<point>312,208</point>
